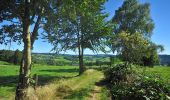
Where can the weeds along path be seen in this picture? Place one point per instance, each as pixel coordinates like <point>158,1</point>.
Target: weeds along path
<point>78,88</point>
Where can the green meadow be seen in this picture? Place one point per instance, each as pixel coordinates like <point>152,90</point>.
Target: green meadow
<point>64,81</point>
<point>60,79</point>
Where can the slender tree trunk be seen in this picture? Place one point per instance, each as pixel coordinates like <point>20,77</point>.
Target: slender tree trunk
<point>81,53</point>
<point>25,67</point>
<point>81,63</point>
<point>80,48</point>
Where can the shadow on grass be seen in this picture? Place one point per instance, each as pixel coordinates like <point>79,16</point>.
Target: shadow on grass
<point>61,70</point>
<point>45,79</point>
<point>11,81</point>
<point>79,94</point>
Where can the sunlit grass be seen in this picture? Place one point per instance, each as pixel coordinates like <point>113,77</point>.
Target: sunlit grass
<point>159,71</point>
<point>46,74</point>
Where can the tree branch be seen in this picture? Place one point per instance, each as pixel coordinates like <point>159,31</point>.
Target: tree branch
<point>35,31</point>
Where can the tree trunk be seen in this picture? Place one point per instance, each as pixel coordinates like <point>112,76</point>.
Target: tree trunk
<point>25,67</point>
<point>81,63</point>
<point>80,50</point>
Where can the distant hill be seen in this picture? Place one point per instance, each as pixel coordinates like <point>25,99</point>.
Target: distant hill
<point>164,59</point>
<point>62,59</point>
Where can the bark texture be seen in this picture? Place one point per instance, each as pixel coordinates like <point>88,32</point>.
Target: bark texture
<point>25,67</point>
<point>81,52</point>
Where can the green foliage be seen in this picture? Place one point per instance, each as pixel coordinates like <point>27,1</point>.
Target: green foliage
<point>83,25</point>
<point>129,84</point>
<point>131,47</point>
<point>118,73</point>
<point>145,88</point>
<point>17,57</point>
<point>11,56</point>
<point>132,32</point>
<point>12,13</point>
<point>151,57</point>
<point>133,17</point>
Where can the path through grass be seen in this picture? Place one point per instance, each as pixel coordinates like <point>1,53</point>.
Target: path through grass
<point>78,88</point>
<point>55,82</point>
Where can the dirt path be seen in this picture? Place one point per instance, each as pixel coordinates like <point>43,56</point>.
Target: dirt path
<point>85,87</point>
<point>96,93</point>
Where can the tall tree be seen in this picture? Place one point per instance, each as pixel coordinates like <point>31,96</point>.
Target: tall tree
<point>151,57</point>
<point>133,29</point>
<point>132,47</point>
<point>133,17</point>
<point>16,20</point>
<point>80,29</point>
<point>16,58</point>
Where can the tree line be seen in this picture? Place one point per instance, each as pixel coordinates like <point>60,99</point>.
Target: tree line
<point>13,57</point>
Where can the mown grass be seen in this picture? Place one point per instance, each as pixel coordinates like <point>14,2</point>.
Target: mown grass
<point>55,82</point>
<point>77,88</point>
<point>46,74</point>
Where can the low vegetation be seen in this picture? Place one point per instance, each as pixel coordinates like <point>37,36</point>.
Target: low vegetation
<point>133,83</point>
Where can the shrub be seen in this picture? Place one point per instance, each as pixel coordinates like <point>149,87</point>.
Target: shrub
<point>148,88</point>
<point>126,84</point>
<point>118,73</point>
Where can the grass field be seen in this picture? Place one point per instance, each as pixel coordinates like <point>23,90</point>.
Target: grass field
<point>63,82</point>
<point>9,75</point>
<point>54,80</point>
<point>158,71</point>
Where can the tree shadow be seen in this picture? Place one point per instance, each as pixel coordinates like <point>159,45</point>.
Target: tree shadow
<point>9,81</point>
<point>102,82</point>
<point>79,94</point>
<point>43,79</point>
<point>61,70</point>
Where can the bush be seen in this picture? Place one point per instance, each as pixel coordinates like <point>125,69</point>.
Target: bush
<point>118,73</point>
<point>143,89</point>
<point>126,84</point>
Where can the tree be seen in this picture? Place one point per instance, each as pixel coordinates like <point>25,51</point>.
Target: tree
<point>18,17</point>
<point>6,55</point>
<point>131,47</point>
<point>80,29</point>
<point>151,56</point>
<point>16,57</point>
<point>132,31</point>
<point>133,17</point>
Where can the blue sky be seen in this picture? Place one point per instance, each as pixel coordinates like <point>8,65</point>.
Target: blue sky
<point>159,13</point>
